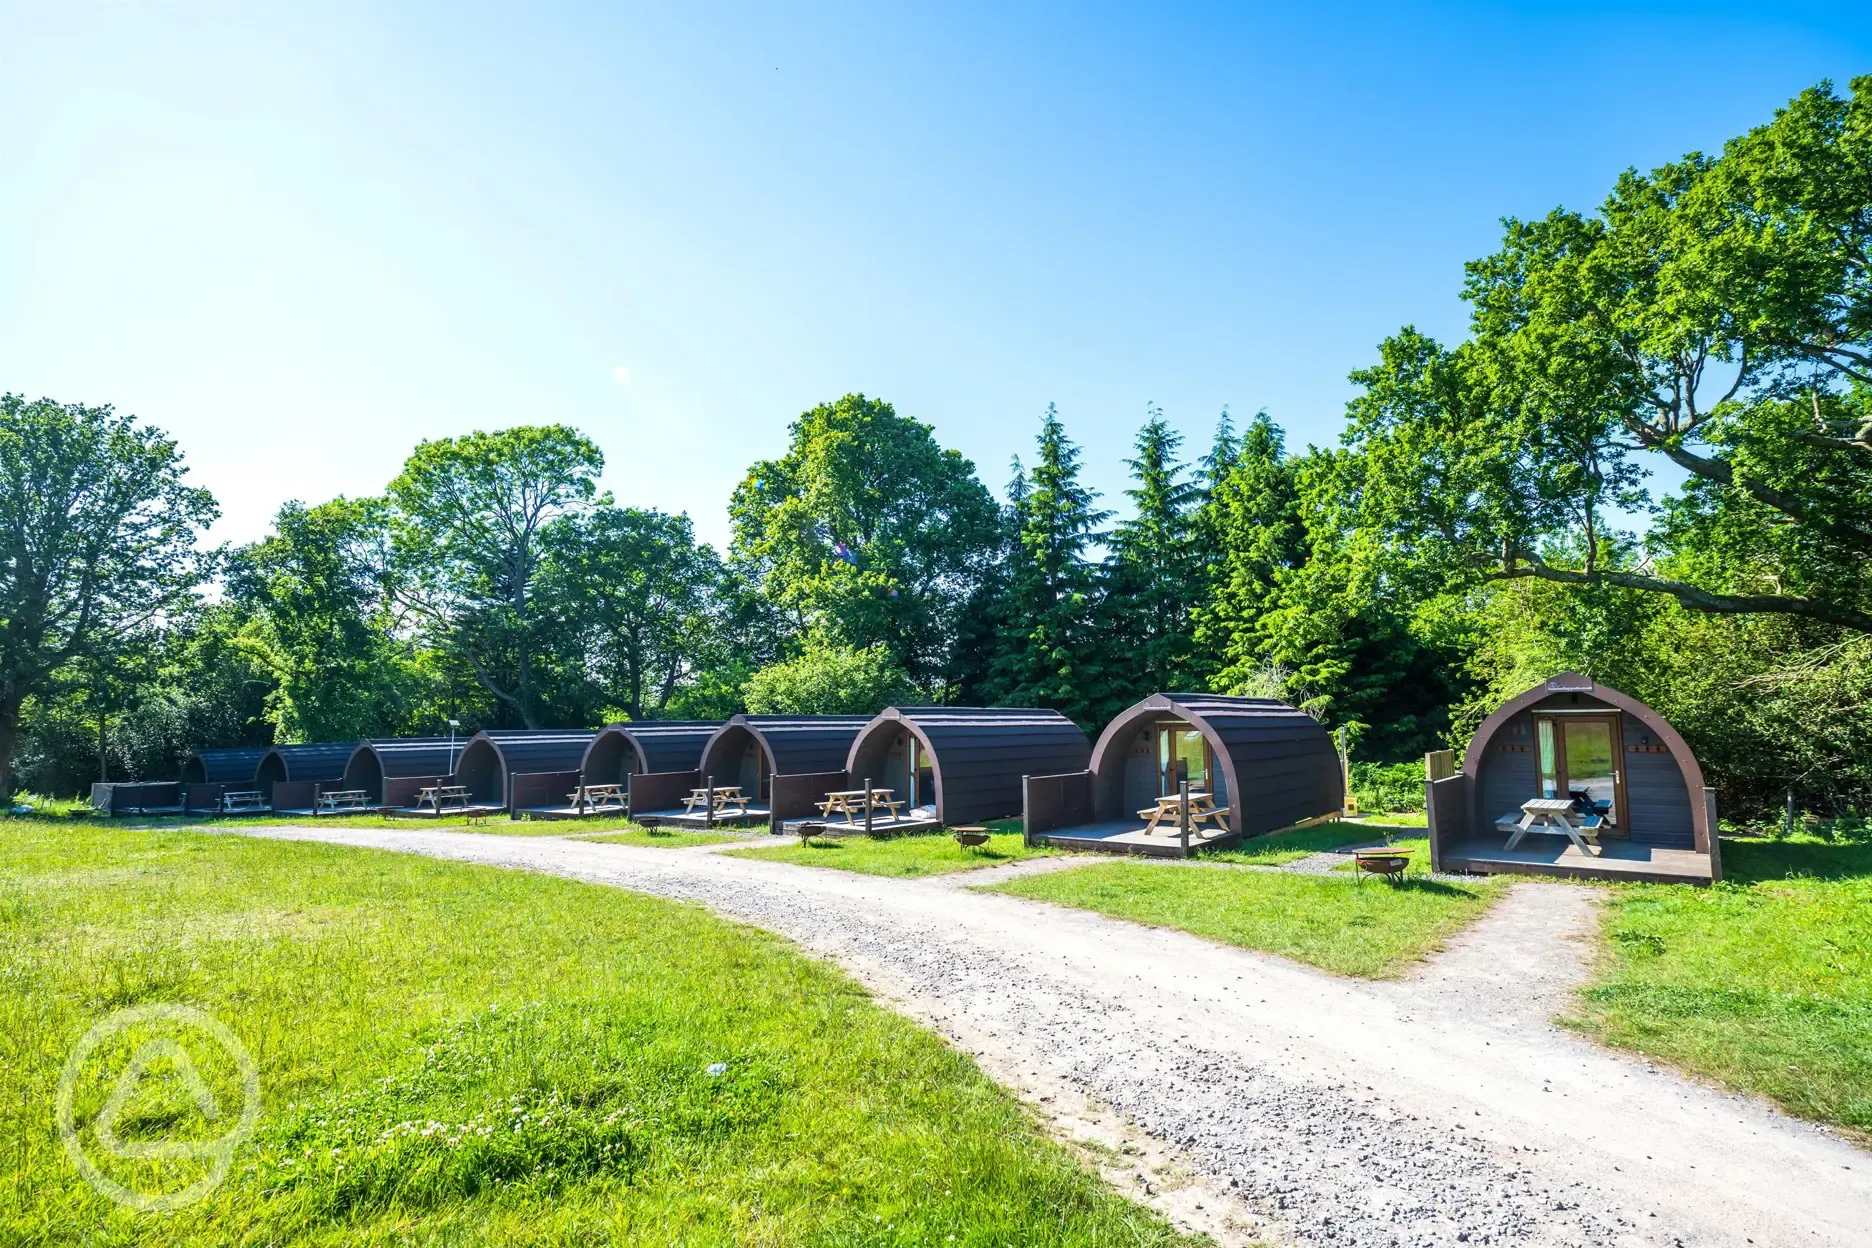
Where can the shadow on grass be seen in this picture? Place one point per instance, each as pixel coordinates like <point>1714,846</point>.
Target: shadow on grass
<point>1753,861</point>
<point>1422,884</point>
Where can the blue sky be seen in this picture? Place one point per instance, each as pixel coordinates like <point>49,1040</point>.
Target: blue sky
<point>303,238</point>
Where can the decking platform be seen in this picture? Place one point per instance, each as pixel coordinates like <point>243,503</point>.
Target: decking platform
<point>569,812</point>
<point>1127,836</point>
<point>1555,855</point>
<point>680,818</point>
<point>906,826</point>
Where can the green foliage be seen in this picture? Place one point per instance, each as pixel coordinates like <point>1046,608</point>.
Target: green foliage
<point>454,1054</point>
<point>1153,578</point>
<point>470,532</point>
<point>98,540</point>
<point>1384,787</point>
<point>321,619</point>
<point>830,679</point>
<point>866,531</point>
<point>1048,653</point>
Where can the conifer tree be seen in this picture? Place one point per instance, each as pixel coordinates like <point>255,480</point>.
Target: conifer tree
<point>1047,652</point>
<point>1254,517</point>
<point>1153,574</point>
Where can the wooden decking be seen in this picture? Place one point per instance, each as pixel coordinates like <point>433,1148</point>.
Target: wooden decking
<point>1127,836</point>
<point>1554,855</point>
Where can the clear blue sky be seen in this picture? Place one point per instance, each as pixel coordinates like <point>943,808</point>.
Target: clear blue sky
<point>303,239</point>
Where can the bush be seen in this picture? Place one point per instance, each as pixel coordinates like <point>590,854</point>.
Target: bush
<point>1388,786</point>
<point>829,679</point>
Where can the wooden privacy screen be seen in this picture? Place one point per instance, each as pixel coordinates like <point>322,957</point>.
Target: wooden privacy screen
<point>532,790</point>
<point>1050,802</point>
<point>797,796</point>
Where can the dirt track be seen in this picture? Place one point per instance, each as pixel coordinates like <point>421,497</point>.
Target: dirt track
<point>1295,1106</point>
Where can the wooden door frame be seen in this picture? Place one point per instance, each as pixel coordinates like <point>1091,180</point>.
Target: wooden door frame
<point>1622,819</point>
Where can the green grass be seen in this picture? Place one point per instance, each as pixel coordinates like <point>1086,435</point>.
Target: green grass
<point>664,838</point>
<point>1353,928</point>
<point>1283,847</point>
<point>901,856</point>
<point>452,1054</point>
<point>1763,982</point>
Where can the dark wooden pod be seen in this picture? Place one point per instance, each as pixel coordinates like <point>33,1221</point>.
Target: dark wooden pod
<point>653,745</point>
<point>492,758</point>
<point>223,766</point>
<point>377,766</point>
<point>322,763</point>
<point>969,759</point>
<point>1276,765</point>
<point>749,749</point>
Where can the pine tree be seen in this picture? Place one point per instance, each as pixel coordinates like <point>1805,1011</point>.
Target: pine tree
<point>1153,575</point>
<point>1253,518</point>
<point>1047,651</point>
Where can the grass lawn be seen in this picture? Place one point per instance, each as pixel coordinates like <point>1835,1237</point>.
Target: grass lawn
<point>1281,847</point>
<point>1763,982</point>
<point>664,838</point>
<point>1370,929</point>
<point>935,853</point>
<point>463,1055</point>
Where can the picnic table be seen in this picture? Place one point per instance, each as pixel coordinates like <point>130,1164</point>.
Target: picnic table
<point>1202,807</point>
<point>335,800</point>
<point>438,797</point>
<point>238,801</point>
<point>1549,816</point>
<point>726,795</point>
<point>854,802</point>
<point>598,797</point>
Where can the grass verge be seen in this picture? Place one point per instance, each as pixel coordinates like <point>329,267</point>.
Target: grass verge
<point>665,838</point>
<point>1763,982</point>
<point>900,856</point>
<point>1284,847</point>
<point>463,1055</point>
<point>1368,929</point>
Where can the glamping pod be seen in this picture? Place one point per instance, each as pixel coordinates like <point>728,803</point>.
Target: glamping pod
<point>963,764</point>
<point>223,766</point>
<point>1252,765</point>
<point>522,768</point>
<point>207,774</point>
<point>1575,778</point>
<point>389,771</point>
<point>656,745</point>
<point>292,776</point>
<point>780,764</point>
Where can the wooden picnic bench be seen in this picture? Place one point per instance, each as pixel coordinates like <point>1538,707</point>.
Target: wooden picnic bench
<point>438,797</point>
<point>598,797</point>
<point>852,803</point>
<point>725,796</point>
<point>1202,808</point>
<point>239,801</point>
<point>335,800</point>
<point>1549,816</point>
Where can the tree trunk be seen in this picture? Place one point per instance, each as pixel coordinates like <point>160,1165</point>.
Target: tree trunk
<point>9,737</point>
<point>103,757</point>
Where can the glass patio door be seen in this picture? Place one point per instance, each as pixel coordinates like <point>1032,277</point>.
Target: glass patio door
<point>1182,754</point>
<point>1579,758</point>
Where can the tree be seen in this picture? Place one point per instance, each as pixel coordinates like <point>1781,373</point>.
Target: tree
<point>98,543</point>
<point>1154,576</point>
<point>830,679</point>
<point>470,521</point>
<point>868,530</point>
<point>1253,517</point>
<point>319,593</point>
<point>646,596</point>
<point>1717,313</point>
<point>1047,652</point>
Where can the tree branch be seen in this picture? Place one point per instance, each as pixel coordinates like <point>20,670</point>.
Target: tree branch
<point>1695,598</point>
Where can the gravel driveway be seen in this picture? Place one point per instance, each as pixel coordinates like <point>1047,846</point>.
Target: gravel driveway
<point>1282,1103</point>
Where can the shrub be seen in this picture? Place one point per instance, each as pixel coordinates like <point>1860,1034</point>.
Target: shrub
<point>1388,786</point>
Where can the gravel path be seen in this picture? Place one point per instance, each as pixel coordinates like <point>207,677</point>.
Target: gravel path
<point>1283,1103</point>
